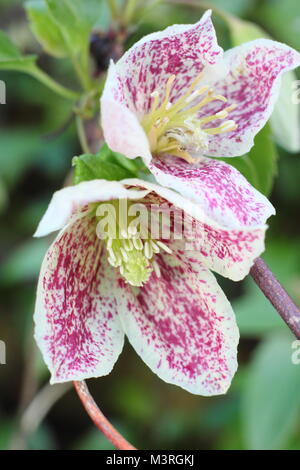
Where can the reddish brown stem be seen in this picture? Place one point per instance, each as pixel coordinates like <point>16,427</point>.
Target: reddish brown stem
<point>277,295</point>
<point>99,419</point>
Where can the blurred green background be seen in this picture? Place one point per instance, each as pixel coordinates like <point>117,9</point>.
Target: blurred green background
<point>262,408</point>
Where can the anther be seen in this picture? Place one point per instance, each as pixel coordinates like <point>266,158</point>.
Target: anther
<point>154,247</point>
<point>111,253</point>
<point>156,268</point>
<point>122,270</point>
<point>137,243</point>
<point>163,246</point>
<point>148,250</point>
<point>196,93</point>
<point>132,230</point>
<point>124,233</point>
<point>124,254</point>
<point>128,245</point>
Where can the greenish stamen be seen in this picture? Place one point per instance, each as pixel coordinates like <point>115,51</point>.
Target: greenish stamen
<point>133,253</point>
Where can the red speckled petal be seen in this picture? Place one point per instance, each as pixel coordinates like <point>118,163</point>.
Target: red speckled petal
<point>121,127</point>
<point>76,324</point>
<point>68,202</point>
<point>253,83</point>
<point>183,50</point>
<point>184,329</point>
<point>224,229</point>
<point>230,253</point>
<point>219,189</point>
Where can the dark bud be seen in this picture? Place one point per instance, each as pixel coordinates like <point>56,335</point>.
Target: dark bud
<point>103,47</point>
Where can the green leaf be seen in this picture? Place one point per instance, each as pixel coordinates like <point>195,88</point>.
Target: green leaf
<point>45,28</point>
<point>8,50</point>
<point>89,167</point>
<point>11,58</point>
<point>259,166</point>
<point>114,157</point>
<point>22,64</point>
<point>72,28</point>
<point>263,156</point>
<point>271,402</point>
<point>75,19</point>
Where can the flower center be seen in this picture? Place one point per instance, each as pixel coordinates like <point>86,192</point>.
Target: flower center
<point>134,256</point>
<point>131,247</point>
<point>174,127</point>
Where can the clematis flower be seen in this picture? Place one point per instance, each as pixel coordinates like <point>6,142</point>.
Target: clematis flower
<point>95,287</point>
<point>176,97</point>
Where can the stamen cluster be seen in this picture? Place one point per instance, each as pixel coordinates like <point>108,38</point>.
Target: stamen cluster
<point>176,128</point>
<point>134,254</point>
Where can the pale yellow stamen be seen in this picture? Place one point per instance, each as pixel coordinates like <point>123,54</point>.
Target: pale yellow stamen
<point>226,127</point>
<point>220,115</point>
<point>163,246</point>
<point>196,93</point>
<point>137,243</point>
<point>156,268</point>
<point>155,95</point>
<point>175,127</point>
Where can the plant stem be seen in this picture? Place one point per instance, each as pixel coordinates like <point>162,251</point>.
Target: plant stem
<point>113,9</point>
<point>99,419</point>
<point>35,413</point>
<point>129,11</point>
<point>53,85</point>
<point>277,295</point>
<point>82,135</point>
<point>81,69</point>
